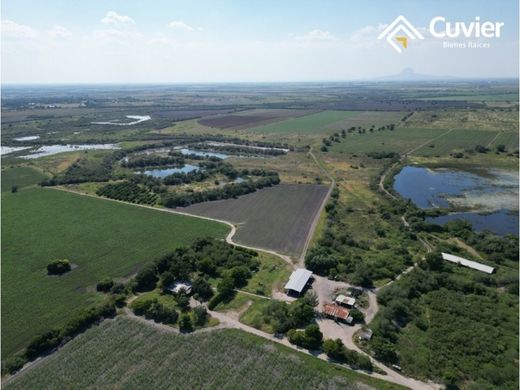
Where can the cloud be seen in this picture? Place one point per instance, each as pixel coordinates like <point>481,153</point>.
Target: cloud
<point>12,29</point>
<point>116,36</point>
<point>179,25</point>
<point>113,17</point>
<point>59,32</point>
<point>316,35</point>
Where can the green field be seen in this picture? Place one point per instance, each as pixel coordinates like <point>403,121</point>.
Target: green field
<point>20,177</point>
<point>457,140</point>
<point>277,218</point>
<point>126,354</point>
<point>309,124</point>
<point>102,238</point>
<point>400,140</point>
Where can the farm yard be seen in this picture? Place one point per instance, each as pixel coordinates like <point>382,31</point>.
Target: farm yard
<point>41,225</point>
<point>277,218</point>
<point>133,355</point>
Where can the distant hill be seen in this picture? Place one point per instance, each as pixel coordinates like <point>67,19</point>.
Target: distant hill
<point>408,74</point>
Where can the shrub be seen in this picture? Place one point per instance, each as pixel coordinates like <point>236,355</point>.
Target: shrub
<point>43,343</point>
<point>202,289</point>
<point>58,267</point>
<point>146,279</point>
<point>13,364</point>
<point>105,285</point>
<point>200,315</point>
<point>185,324</point>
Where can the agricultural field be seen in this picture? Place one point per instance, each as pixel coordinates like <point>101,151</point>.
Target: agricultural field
<point>41,225</point>
<point>490,119</point>
<point>134,355</point>
<point>459,140</point>
<point>277,218</point>
<point>401,140</point>
<point>20,177</point>
<point>309,124</point>
<point>252,118</point>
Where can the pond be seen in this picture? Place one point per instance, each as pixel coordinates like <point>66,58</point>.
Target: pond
<point>49,150</point>
<point>186,152</point>
<point>11,149</point>
<point>117,122</point>
<point>161,173</point>
<point>27,138</point>
<point>492,194</point>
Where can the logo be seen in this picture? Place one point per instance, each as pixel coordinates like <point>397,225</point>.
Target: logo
<point>400,24</point>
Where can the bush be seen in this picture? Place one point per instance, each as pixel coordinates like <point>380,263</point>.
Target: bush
<point>202,289</point>
<point>105,285</point>
<point>185,324</point>
<point>13,364</point>
<point>310,338</point>
<point>43,344</point>
<point>335,349</point>
<point>146,279</point>
<point>200,315</point>
<point>58,267</point>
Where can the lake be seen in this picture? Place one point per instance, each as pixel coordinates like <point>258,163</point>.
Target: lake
<point>492,194</point>
<point>186,152</point>
<point>49,150</point>
<point>161,173</point>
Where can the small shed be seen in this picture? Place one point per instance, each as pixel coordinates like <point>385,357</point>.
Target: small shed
<point>366,335</point>
<point>343,300</point>
<point>298,280</point>
<point>180,287</point>
<point>337,313</point>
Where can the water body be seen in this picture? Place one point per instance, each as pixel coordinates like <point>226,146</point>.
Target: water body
<point>50,150</point>
<point>11,149</point>
<point>185,151</point>
<point>117,122</point>
<point>501,222</point>
<point>493,195</point>
<point>28,138</point>
<point>161,173</point>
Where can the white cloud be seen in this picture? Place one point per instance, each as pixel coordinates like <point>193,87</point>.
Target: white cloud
<point>179,25</point>
<point>12,29</point>
<point>113,17</point>
<point>59,32</point>
<point>316,35</point>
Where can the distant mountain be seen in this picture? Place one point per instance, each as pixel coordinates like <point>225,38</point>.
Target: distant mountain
<point>408,74</point>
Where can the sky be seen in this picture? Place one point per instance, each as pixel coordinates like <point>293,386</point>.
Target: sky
<point>169,41</point>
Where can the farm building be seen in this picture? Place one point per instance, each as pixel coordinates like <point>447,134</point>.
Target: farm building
<point>342,300</point>
<point>468,263</point>
<point>179,287</point>
<point>298,280</point>
<point>366,335</point>
<point>337,313</point>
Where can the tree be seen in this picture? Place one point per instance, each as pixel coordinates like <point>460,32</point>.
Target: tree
<point>357,316</point>
<point>167,279</point>
<point>334,349</point>
<point>146,279</point>
<point>481,149</point>
<point>58,267</point>
<point>105,285</point>
<point>200,315</point>
<point>501,148</point>
<point>202,289</point>
<point>183,302</point>
<point>14,189</point>
<point>313,336</point>
<point>185,324</point>
<point>434,261</point>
